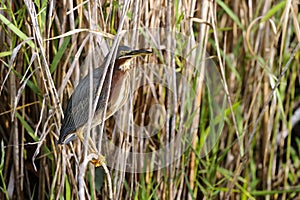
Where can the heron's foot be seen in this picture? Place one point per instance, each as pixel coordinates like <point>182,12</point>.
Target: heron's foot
<point>98,162</point>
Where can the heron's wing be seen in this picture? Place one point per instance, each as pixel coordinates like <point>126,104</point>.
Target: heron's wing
<point>77,111</point>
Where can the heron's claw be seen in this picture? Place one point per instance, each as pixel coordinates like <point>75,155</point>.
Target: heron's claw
<point>99,161</point>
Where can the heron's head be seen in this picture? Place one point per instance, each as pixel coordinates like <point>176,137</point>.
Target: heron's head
<point>125,54</point>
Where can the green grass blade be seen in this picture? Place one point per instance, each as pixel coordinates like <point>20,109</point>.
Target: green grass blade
<point>17,31</point>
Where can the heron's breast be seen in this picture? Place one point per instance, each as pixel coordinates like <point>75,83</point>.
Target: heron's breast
<point>119,91</point>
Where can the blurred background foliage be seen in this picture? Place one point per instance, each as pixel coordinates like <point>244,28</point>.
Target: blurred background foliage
<point>255,45</point>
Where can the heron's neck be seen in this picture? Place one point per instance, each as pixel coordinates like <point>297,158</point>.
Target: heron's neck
<point>123,64</point>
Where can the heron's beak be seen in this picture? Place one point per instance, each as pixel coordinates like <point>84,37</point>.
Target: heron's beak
<point>135,53</point>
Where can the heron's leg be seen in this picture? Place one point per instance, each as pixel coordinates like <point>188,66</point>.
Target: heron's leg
<point>92,149</point>
<point>101,159</point>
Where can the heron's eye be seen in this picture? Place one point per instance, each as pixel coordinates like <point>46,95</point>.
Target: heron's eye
<point>122,52</point>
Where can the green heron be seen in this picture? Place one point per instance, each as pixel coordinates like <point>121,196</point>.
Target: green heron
<point>77,111</point>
